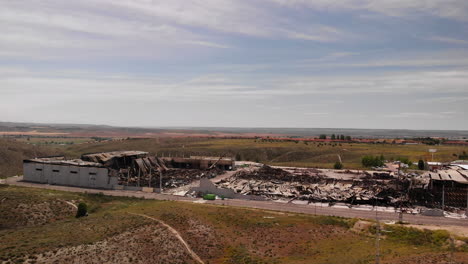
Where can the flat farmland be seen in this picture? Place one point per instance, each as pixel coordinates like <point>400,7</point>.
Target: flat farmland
<point>322,155</point>
<point>276,153</point>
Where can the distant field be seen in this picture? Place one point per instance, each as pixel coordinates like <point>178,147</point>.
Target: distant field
<point>275,153</point>
<point>218,234</point>
<point>54,140</point>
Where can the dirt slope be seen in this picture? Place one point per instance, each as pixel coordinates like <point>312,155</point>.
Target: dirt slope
<point>147,244</point>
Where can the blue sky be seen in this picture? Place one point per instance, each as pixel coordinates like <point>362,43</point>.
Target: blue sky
<point>256,63</point>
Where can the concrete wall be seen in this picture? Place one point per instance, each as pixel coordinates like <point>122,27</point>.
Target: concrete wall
<point>206,186</point>
<point>89,177</point>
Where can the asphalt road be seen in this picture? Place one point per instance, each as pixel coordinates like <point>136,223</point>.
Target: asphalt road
<point>266,205</point>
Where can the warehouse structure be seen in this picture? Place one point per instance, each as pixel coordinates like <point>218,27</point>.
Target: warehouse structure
<point>133,170</point>
<point>105,170</point>
<point>57,170</point>
<point>449,186</point>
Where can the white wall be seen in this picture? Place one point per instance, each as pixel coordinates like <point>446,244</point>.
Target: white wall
<point>90,177</point>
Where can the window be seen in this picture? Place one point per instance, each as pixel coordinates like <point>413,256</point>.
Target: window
<point>38,169</point>
<point>55,170</point>
<point>92,173</point>
<point>74,172</point>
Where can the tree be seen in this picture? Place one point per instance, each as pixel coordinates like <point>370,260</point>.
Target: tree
<point>342,137</point>
<point>382,158</point>
<point>333,137</point>
<point>371,161</point>
<point>338,165</point>
<point>323,136</point>
<point>348,138</point>
<point>463,155</point>
<point>404,160</point>
<point>82,210</point>
<point>238,157</point>
<point>421,164</point>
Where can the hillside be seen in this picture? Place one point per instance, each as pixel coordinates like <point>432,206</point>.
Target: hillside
<point>121,231</point>
<point>12,154</point>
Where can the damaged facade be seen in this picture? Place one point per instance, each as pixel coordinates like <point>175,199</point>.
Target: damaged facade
<point>114,170</point>
<point>444,187</point>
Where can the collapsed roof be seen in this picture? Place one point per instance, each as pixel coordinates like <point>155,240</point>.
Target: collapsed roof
<point>104,157</point>
<point>61,161</point>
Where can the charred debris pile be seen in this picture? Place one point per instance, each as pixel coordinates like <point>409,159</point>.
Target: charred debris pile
<point>137,168</point>
<point>320,185</point>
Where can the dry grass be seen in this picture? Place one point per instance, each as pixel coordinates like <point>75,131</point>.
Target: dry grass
<point>218,234</point>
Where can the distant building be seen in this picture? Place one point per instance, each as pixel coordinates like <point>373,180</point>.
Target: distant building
<point>432,166</point>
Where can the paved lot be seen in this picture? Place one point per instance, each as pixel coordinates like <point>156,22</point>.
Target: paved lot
<point>268,205</point>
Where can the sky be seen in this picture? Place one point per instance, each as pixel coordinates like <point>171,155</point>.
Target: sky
<point>246,63</point>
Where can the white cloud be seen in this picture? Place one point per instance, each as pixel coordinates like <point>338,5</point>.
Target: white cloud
<point>424,115</point>
<point>453,9</point>
<point>208,44</point>
<point>449,40</point>
<point>109,27</point>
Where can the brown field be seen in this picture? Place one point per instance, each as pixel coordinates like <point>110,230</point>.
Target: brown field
<point>217,234</point>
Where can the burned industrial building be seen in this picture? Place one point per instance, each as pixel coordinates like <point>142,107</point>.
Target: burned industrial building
<point>446,187</point>
<point>353,187</point>
<point>137,170</point>
<point>132,170</point>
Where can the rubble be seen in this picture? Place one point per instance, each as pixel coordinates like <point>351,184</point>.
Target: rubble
<point>138,168</point>
<point>314,185</point>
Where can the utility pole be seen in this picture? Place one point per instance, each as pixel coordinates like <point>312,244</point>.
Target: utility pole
<point>128,174</point>
<point>377,240</point>
<point>150,176</point>
<point>400,215</point>
<point>443,196</point>
<point>139,177</point>
<point>160,182</point>
<point>466,211</point>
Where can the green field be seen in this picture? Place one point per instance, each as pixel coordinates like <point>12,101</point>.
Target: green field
<point>218,234</point>
<point>274,153</point>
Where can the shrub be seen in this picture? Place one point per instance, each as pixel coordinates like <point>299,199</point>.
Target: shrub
<point>370,161</point>
<point>421,165</point>
<point>338,165</point>
<point>82,210</point>
<point>415,236</point>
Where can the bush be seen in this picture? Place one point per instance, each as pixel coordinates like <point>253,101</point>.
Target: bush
<point>415,236</point>
<point>421,164</point>
<point>82,210</point>
<point>338,165</point>
<point>370,161</point>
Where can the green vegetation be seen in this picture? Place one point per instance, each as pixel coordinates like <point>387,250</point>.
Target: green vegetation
<point>421,165</point>
<point>338,165</point>
<point>371,161</point>
<point>413,236</point>
<point>404,160</point>
<point>463,156</point>
<point>82,210</point>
